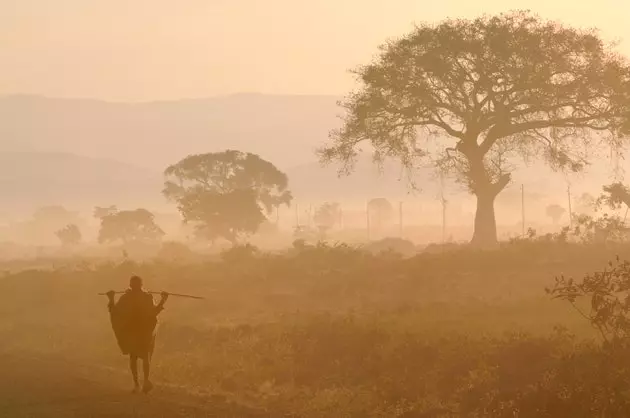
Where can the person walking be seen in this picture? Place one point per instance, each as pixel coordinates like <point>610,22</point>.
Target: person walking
<point>134,321</point>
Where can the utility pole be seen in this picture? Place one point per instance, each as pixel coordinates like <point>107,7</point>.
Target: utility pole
<point>367,219</point>
<point>310,215</point>
<point>570,211</point>
<point>400,218</point>
<point>443,201</point>
<point>443,220</point>
<point>523,207</point>
<point>340,218</point>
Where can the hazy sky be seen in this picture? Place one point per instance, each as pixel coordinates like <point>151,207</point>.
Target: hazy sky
<point>169,49</point>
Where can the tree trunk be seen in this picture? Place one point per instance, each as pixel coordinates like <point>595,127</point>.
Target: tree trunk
<point>485,234</point>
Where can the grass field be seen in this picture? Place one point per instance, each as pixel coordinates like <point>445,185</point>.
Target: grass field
<point>334,332</point>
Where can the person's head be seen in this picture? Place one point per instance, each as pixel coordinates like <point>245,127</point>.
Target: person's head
<point>135,283</point>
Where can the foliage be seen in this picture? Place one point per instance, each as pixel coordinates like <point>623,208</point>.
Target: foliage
<point>396,245</point>
<point>614,196</point>
<point>609,294</point>
<point>586,229</point>
<point>380,210</point>
<point>240,253</point>
<point>604,229</point>
<point>69,235</point>
<point>485,93</point>
<point>129,226</point>
<point>226,194</point>
<point>326,216</point>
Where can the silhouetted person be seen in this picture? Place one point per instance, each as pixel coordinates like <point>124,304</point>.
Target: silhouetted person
<point>134,319</point>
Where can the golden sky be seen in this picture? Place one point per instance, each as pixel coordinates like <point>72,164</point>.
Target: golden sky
<point>169,49</point>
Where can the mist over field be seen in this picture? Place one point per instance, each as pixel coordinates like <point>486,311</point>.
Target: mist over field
<point>340,210</point>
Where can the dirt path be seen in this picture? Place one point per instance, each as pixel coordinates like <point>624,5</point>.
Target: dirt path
<point>40,387</point>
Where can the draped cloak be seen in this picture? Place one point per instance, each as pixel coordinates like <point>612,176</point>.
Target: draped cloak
<point>134,321</point>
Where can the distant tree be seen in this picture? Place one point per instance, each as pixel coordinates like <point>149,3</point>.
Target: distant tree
<point>226,194</point>
<point>101,212</point>
<point>129,226</point>
<point>474,96</point>
<point>69,235</point>
<point>326,217</point>
<point>555,212</point>
<point>380,210</point>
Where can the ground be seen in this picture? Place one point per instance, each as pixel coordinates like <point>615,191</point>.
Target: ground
<point>48,387</point>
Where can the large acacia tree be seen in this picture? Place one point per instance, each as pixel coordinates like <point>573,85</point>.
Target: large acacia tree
<point>473,97</point>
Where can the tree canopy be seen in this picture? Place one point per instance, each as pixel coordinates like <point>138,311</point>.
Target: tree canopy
<point>226,194</point>
<point>380,210</point>
<point>555,212</point>
<point>129,226</point>
<point>473,97</point>
<point>69,235</point>
<point>326,216</point>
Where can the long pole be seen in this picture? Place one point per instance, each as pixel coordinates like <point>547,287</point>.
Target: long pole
<point>159,293</point>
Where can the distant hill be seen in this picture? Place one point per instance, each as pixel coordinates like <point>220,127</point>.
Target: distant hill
<point>283,129</point>
<point>31,179</point>
<point>87,152</point>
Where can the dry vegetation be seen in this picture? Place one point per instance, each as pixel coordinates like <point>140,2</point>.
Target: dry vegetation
<point>332,331</point>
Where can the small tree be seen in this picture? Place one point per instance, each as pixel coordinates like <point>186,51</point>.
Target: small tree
<point>473,97</point>
<point>226,194</point>
<point>604,229</point>
<point>608,294</point>
<point>69,235</point>
<point>380,210</point>
<point>555,212</point>
<point>326,217</point>
<point>129,226</point>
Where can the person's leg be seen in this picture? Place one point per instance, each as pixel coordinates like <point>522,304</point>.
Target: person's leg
<point>146,363</point>
<point>146,368</point>
<point>133,365</point>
